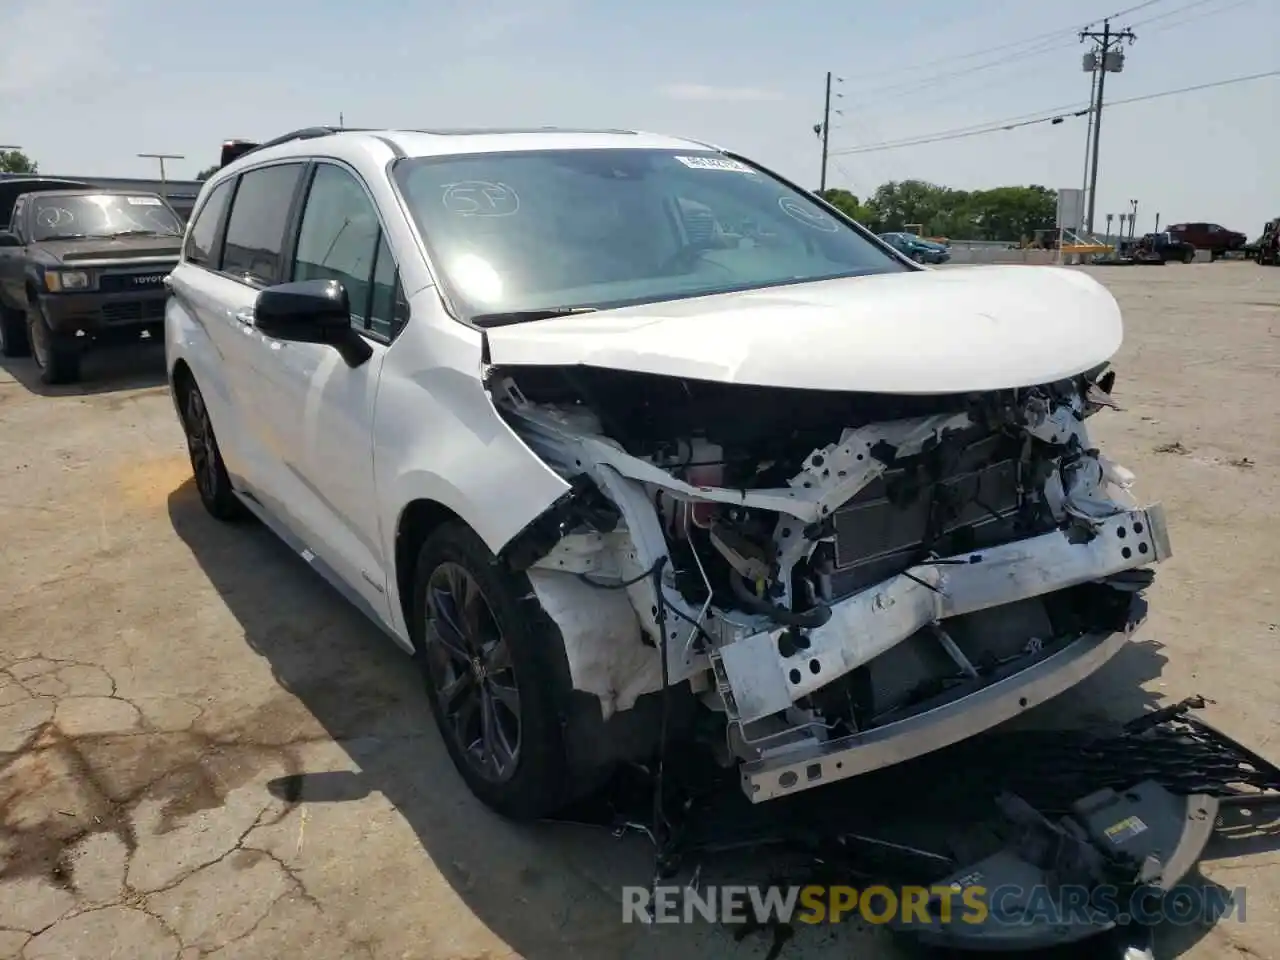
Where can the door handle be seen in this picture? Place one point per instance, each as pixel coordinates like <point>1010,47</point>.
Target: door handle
<point>244,317</point>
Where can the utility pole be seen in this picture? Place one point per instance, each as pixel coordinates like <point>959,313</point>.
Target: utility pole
<point>823,129</point>
<point>162,157</point>
<point>826,134</point>
<point>1133,217</point>
<point>1106,61</point>
<point>1088,137</point>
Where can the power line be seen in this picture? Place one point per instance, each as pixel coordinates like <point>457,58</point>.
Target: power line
<point>904,91</point>
<point>1056,41</point>
<point>1196,16</point>
<point>1198,86</point>
<point>985,51</point>
<point>921,83</point>
<point>1170,13</point>
<point>959,133</point>
<point>1043,116</point>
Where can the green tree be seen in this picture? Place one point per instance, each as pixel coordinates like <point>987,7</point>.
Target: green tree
<point>1002,213</point>
<point>935,208</point>
<point>207,172</point>
<point>848,204</point>
<point>15,161</point>
<point>1013,213</point>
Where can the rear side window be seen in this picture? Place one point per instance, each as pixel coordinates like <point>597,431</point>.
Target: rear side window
<point>256,229</point>
<point>204,231</point>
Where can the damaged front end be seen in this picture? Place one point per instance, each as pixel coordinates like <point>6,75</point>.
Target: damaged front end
<point>844,580</point>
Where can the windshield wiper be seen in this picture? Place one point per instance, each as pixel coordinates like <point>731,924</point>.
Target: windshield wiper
<point>75,236</point>
<point>526,316</point>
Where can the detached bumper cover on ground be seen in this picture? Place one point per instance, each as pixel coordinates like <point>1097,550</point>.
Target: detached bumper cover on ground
<point>1064,830</point>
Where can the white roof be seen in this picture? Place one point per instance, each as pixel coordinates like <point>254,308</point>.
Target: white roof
<point>437,143</point>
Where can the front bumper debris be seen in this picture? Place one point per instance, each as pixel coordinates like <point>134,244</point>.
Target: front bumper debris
<point>758,680</point>
<point>980,705</point>
<point>1096,821</point>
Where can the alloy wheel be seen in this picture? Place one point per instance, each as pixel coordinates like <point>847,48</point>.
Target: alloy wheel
<point>200,445</point>
<point>469,665</point>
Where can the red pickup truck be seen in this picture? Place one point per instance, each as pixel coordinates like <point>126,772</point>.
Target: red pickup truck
<point>1209,236</point>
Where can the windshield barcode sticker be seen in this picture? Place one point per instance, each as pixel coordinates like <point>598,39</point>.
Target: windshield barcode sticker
<point>144,201</point>
<point>714,163</point>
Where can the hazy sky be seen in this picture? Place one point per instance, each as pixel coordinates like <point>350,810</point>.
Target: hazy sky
<point>85,85</point>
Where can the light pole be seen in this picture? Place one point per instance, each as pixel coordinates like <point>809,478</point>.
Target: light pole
<point>162,157</point>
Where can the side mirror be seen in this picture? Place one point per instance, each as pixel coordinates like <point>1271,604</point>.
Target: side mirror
<point>8,239</point>
<point>311,311</point>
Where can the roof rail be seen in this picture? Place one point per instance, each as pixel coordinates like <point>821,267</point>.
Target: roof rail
<point>235,149</point>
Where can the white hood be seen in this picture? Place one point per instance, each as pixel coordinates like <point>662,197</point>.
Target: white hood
<point>927,331</point>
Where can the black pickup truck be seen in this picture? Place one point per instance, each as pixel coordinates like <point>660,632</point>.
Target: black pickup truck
<point>1162,248</point>
<point>80,265</point>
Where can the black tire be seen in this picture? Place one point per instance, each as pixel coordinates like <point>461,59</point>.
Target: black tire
<point>536,778</point>
<point>58,357</point>
<point>13,334</point>
<point>212,481</point>
<point>1189,256</point>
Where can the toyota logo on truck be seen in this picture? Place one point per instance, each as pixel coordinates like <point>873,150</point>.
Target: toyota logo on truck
<point>148,280</point>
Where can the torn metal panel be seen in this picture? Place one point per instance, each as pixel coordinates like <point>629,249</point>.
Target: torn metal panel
<point>764,681</point>
<point>974,708</point>
<point>830,476</point>
<point>803,588</point>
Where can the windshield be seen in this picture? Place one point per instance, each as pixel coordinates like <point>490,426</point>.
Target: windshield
<point>557,230</point>
<point>102,215</point>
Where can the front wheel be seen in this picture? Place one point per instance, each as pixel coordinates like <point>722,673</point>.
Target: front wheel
<point>57,357</point>
<point>13,334</point>
<point>496,676</point>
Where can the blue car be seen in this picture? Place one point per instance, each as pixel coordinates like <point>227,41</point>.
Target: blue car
<point>917,248</point>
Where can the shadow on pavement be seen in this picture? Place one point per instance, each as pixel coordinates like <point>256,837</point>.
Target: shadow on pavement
<point>548,891</point>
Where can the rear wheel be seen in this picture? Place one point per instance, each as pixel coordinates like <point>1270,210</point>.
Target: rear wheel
<point>496,676</point>
<point>212,481</point>
<point>13,334</point>
<point>58,357</point>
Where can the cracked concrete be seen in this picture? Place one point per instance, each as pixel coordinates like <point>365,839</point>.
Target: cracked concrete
<point>204,753</point>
